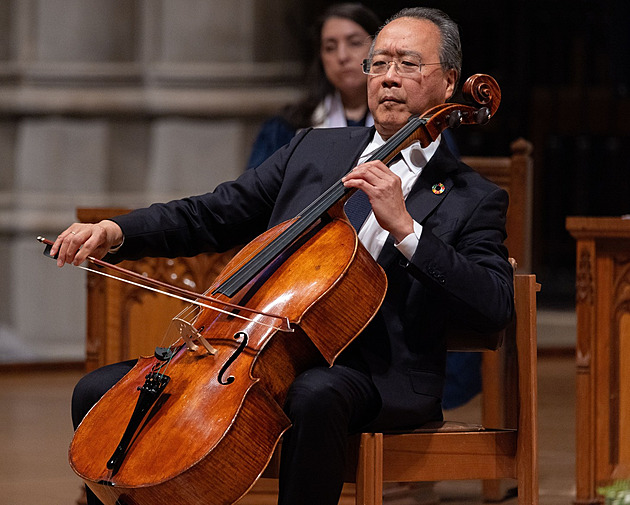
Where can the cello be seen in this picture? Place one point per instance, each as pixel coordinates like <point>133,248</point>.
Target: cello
<point>199,421</point>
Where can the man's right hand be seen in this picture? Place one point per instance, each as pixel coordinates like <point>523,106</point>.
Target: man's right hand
<point>81,240</point>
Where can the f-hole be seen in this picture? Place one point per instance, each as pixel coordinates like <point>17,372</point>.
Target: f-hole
<point>235,354</point>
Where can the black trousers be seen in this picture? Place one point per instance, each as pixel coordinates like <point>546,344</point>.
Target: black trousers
<point>325,406</point>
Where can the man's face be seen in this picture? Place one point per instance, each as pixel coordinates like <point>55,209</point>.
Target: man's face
<point>392,98</point>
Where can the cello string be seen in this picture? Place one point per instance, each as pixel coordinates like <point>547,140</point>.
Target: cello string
<point>195,302</point>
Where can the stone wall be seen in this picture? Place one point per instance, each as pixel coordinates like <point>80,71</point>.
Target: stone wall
<point>119,103</point>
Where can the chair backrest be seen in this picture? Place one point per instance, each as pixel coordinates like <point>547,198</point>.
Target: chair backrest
<point>513,173</point>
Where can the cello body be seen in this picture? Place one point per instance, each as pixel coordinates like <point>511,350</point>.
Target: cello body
<point>214,427</point>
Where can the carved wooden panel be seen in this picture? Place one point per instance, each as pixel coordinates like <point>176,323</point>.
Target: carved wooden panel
<point>619,422</point>
<point>602,353</point>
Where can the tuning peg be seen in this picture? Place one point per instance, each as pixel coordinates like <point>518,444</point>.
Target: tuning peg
<point>482,116</point>
<point>455,119</point>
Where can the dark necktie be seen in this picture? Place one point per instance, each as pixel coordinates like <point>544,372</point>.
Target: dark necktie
<point>358,208</point>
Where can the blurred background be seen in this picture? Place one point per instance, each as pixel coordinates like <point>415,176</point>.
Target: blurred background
<point>120,103</point>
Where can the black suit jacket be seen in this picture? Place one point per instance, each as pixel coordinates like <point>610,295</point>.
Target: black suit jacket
<point>459,273</point>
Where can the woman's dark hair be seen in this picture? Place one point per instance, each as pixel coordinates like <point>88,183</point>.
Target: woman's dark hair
<point>300,114</point>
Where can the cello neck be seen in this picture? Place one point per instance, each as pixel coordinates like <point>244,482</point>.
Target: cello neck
<point>310,215</point>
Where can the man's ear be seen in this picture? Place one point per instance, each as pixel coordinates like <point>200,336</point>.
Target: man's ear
<point>450,77</point>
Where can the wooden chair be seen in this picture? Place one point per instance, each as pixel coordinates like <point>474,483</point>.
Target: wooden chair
<point>515,175</point>
<point>452,451</point>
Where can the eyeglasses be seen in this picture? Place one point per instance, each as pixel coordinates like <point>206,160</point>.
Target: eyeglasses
<point>408,66</point>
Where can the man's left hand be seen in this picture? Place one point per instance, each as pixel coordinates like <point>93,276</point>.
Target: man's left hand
<point>384,190</point>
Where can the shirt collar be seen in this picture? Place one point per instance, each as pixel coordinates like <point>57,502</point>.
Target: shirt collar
<point>415,156</point>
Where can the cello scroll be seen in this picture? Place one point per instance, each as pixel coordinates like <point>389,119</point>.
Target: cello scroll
<point>480,88</point>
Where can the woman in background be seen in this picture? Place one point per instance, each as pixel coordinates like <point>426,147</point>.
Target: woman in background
<point>336,94</point>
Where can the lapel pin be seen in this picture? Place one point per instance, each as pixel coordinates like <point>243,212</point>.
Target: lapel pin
<point>438,188</point>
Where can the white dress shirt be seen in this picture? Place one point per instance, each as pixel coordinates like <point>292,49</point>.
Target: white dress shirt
<point>414,159</point>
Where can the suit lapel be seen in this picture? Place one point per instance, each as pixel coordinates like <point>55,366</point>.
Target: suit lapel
<point>344,153</point>
<point>429,191</point>
<point>433,185</point>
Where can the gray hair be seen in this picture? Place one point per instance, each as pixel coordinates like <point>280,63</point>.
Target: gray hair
<point>451,47</point>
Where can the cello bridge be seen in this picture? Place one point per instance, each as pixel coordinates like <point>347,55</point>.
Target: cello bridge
<point>185,330</point>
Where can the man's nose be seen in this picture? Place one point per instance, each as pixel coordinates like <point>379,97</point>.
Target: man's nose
<point>391,77</point>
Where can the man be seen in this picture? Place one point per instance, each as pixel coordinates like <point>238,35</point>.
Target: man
<point>437,228</point>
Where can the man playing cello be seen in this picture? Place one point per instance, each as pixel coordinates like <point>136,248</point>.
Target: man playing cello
<point>436,228</point>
